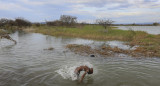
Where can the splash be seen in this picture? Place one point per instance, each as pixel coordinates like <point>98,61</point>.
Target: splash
<point>67,72</point>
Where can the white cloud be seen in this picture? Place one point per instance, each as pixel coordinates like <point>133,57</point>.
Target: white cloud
<point>12,7</point>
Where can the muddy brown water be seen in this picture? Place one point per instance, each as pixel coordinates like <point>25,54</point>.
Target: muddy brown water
<point>28,64</point>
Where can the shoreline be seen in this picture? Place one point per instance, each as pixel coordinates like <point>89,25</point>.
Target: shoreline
<point>148,44</point>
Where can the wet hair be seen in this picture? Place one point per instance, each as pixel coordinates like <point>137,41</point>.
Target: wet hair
<point>90,71</point>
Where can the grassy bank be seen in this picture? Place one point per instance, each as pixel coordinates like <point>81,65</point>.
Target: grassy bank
<point>9,29</point>
<point>149,44</point>
<point>89,31</point>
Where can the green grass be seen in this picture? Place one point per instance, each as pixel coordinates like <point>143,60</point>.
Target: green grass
<point>90,32</point>
<point>147,42</point>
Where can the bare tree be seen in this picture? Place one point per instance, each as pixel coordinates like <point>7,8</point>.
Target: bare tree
<point>68,20</point>
<point>104,22</point>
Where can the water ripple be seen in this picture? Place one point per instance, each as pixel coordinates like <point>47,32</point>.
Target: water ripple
<point>27,64</point>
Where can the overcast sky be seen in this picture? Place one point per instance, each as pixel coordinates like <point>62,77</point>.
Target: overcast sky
<point>121,11</point>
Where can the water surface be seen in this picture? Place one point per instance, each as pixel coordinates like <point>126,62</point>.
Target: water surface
<point>149,29</point>
<point>28,64</point>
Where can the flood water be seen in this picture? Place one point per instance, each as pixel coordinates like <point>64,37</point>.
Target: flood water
<point>149,29</point>
<point>28,64</point>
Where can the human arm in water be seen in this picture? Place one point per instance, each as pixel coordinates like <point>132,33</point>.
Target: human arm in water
<point>84,75</point>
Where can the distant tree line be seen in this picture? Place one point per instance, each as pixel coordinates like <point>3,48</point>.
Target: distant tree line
<point>134,24</point>
<point>71,21</point>
<point>65,20</point>
<point>18,22</point>
<point>156,24</point>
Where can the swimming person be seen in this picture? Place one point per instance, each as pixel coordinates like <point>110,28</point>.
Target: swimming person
<point>86,70</point>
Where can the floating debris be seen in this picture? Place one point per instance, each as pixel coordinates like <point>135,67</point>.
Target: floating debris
<point>92,55</point>
<point>6,36</point>
<point>51,48</point>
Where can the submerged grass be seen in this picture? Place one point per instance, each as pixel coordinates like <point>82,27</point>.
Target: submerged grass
<point>147,43</point>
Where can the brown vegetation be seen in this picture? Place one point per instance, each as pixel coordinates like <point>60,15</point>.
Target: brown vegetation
<point>80,49</point>
<point>108,51</point>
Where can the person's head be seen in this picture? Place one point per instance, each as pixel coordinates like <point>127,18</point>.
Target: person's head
<point>90,71</point>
